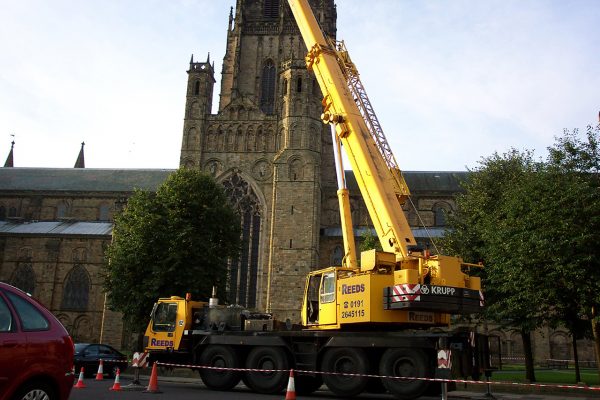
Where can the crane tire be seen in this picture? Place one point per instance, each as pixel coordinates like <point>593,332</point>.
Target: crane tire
<point>346,360</point>
<point>408,363</point>
<point>267,358</point>
<point>221,357</point>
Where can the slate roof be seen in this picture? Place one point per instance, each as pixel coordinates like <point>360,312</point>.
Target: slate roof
<point>125,180</point>
<point>56,228</point>
<point>424,181</point>
<point>81,179</point>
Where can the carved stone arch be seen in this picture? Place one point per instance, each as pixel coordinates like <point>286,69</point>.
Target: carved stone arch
<point>279,145</point>
<point>270,140</point>
<point>516,343</point>
<point>560,346</point>
<point>260,139</point>
<point>191,139</point>
<point>76,289</point>
<point>295,168</point>
<point>214,167</point>
<point>220,142</point>
<point>241,114</point>
<point>297,107</point>
<point>104,211</point>
<point>189,163</point>
<point>239,138</point>
<point>194,110</point>
<point>244,271</point>
<point>503,341</point>
<point>441,210</point>
<point>211,139</point>
<point>66,321</point>
<point>251,138</point>
<point>294,137</point>
<point>24,277</point>
<point>82,329</point>
<point>64,209</point>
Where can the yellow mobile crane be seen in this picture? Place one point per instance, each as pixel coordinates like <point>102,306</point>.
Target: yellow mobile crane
<point>388,316</point>
<point>416,288</point>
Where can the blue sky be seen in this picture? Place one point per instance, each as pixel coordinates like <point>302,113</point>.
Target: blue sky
<point>451,81</point>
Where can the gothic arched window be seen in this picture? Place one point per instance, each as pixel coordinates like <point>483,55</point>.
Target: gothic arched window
<point>440,213</point>
<point>2,213</point>
<point>299,85</point>
<point>243,271</point>
<point>267,88</point>
<point>197,88</point>
<point>76,290</point>
<point>103,212</point>
<point>271,9</point>
<point>24,278</point>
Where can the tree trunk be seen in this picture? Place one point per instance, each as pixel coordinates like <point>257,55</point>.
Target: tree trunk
<point>529,371</point>
<point>596,333</point>
<point>576,358</point>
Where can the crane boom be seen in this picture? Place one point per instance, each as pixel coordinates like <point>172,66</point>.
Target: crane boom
<point>347,105</point>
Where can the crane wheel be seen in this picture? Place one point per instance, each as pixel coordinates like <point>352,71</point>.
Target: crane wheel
<point>408,363</point>
<point>267,358</point>
<point>220,357</point>
<point>345,360</point>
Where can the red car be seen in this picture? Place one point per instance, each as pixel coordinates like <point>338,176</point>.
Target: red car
<point>36,351</point>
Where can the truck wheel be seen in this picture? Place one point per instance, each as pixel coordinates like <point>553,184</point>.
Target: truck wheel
<point>267,358</point>
<point>345,360</point>
<point>219,357</point>
<point>306,384</point>
<point>408,363</point>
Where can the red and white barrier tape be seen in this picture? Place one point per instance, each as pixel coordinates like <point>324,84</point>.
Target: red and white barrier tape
<point>114,361</point>
<point>537,385</point>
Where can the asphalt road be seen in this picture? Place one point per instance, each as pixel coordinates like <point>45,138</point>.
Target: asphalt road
<point>99,390</point>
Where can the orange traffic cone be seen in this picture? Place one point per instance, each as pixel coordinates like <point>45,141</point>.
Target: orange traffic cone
<point>100,373</point>
<point>290,394</point>
<point>153,383</point>
<point>117,385</point>
<point>80,384</point>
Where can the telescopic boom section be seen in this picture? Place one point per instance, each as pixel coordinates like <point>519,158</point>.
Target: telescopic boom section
<point>347,106</point>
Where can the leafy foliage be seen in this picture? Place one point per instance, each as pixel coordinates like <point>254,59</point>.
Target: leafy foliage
<point>536,225</point>
<point>171,242</point>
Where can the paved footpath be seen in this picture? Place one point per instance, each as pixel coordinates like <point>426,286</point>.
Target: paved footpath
<point>577,395</point>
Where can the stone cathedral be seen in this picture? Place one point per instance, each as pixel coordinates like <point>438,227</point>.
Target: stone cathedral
<point>269,149</point>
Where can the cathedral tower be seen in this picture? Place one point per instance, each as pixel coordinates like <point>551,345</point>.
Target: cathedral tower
<point>269,149</point>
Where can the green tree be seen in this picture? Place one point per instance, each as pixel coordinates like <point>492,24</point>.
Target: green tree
<point>490,225</point>
<point>575,162</point>
<point>171,242</point>
<point>536,225</point>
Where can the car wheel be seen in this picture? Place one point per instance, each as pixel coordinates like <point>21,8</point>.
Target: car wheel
<point>35,391</point>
